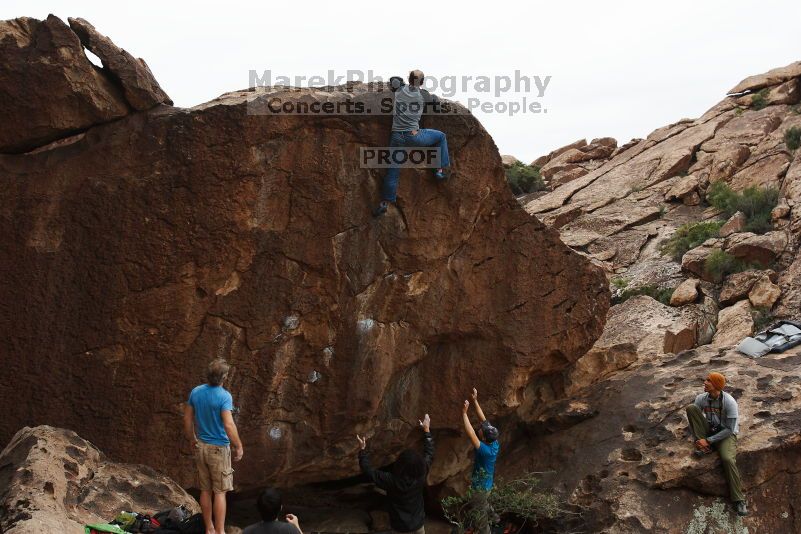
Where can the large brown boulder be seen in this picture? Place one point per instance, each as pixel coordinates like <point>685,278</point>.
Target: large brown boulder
<point>217,232</point>
<point>52,481</point>
<point>734,324</point>
<point>757,249</point>
<point>639,328</point>
<point>738,285</point>
<point>48,87</point>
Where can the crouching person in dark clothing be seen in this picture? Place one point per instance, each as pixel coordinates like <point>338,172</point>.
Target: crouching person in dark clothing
<point>269,506</point>
<point>405,483</point>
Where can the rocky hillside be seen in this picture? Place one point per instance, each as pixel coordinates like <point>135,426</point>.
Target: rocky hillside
<point>52,480</point>
<point>690,280</point>
<point>138,241</point>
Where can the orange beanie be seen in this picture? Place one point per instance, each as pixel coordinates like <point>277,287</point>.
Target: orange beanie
<point>718,380</point>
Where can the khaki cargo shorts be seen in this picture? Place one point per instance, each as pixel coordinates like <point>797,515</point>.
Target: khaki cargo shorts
<point>214,467</point>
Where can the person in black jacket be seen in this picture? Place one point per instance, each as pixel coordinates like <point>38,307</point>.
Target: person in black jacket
<point>405,483</point>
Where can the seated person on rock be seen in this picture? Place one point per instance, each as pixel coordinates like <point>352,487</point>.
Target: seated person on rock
<point>405,483</point>
<point>269,506</point>
<point>409,103</point>
<point>487,447</point>
<point>713,421</point>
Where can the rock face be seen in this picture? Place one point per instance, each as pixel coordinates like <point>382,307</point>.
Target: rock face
<point>53,482</point>
<point>49,89</point>
<point>155,243</point>
<point>574,160</point>
<point>734,324</point>
<point>771,78</point>
<point>639,328</point>
<point>737,286</point>
<point>621,449</point>
<point>140,87</point>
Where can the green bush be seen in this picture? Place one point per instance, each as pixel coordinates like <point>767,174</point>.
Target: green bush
<point>755,202</point>
<point>524,178</point>
<point>522,500</point>
<point>619,283</point>
<point>689,236</point>
<point>792,138</point>
<point>760,100</point>
<point>662,295</point>
<point>720,264</point>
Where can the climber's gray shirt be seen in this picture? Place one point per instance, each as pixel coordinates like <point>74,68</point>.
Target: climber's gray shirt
<point>711,409</point>
<point>409,105</point>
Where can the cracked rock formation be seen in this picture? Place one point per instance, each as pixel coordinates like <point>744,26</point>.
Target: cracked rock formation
<point>49,89</point>
<point>54,481</point>
<point>139,250</point>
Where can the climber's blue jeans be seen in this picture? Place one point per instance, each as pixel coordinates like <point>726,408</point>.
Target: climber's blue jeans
<point>424,137</point>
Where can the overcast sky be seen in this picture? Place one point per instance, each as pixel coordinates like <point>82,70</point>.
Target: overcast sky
<point>619,69</point>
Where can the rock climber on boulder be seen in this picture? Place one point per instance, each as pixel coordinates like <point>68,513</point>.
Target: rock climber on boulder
<point>409,104</point>
<point>713,419</point>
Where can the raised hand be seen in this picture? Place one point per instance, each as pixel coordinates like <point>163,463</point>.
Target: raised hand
<point>362,441</point>
<point>426,423</point>
<point>293,520</point>
<point>466,406</point>
<point>474,395</point>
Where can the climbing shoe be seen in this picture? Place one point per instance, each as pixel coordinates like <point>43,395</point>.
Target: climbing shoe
<point>380,209</point>
<point>741,509</point>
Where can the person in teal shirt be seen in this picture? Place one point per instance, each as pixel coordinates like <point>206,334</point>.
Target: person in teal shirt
<point>486,446</point>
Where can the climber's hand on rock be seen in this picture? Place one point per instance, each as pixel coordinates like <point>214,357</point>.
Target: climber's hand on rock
<point>426,423</point>
<point>474,395</point>
<point>466,406</point>
<point>362,441</point>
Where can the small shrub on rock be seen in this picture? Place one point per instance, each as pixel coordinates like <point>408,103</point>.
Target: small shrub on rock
<point>760,100</point>
<point>522,501</point>
<point>689,236</point>
<point>650,290</point>
<point>755,202</point>
<point>792,138</point>
<point>524,178</point>
<point>619,283</point>
<point>720,264</point>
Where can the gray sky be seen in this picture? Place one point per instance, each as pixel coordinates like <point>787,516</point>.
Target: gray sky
<point>619,69</point>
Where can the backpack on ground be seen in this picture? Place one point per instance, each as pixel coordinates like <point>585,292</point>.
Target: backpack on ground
<point>191,525</point>
<point>172,518</point>
<point>777,338</point>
